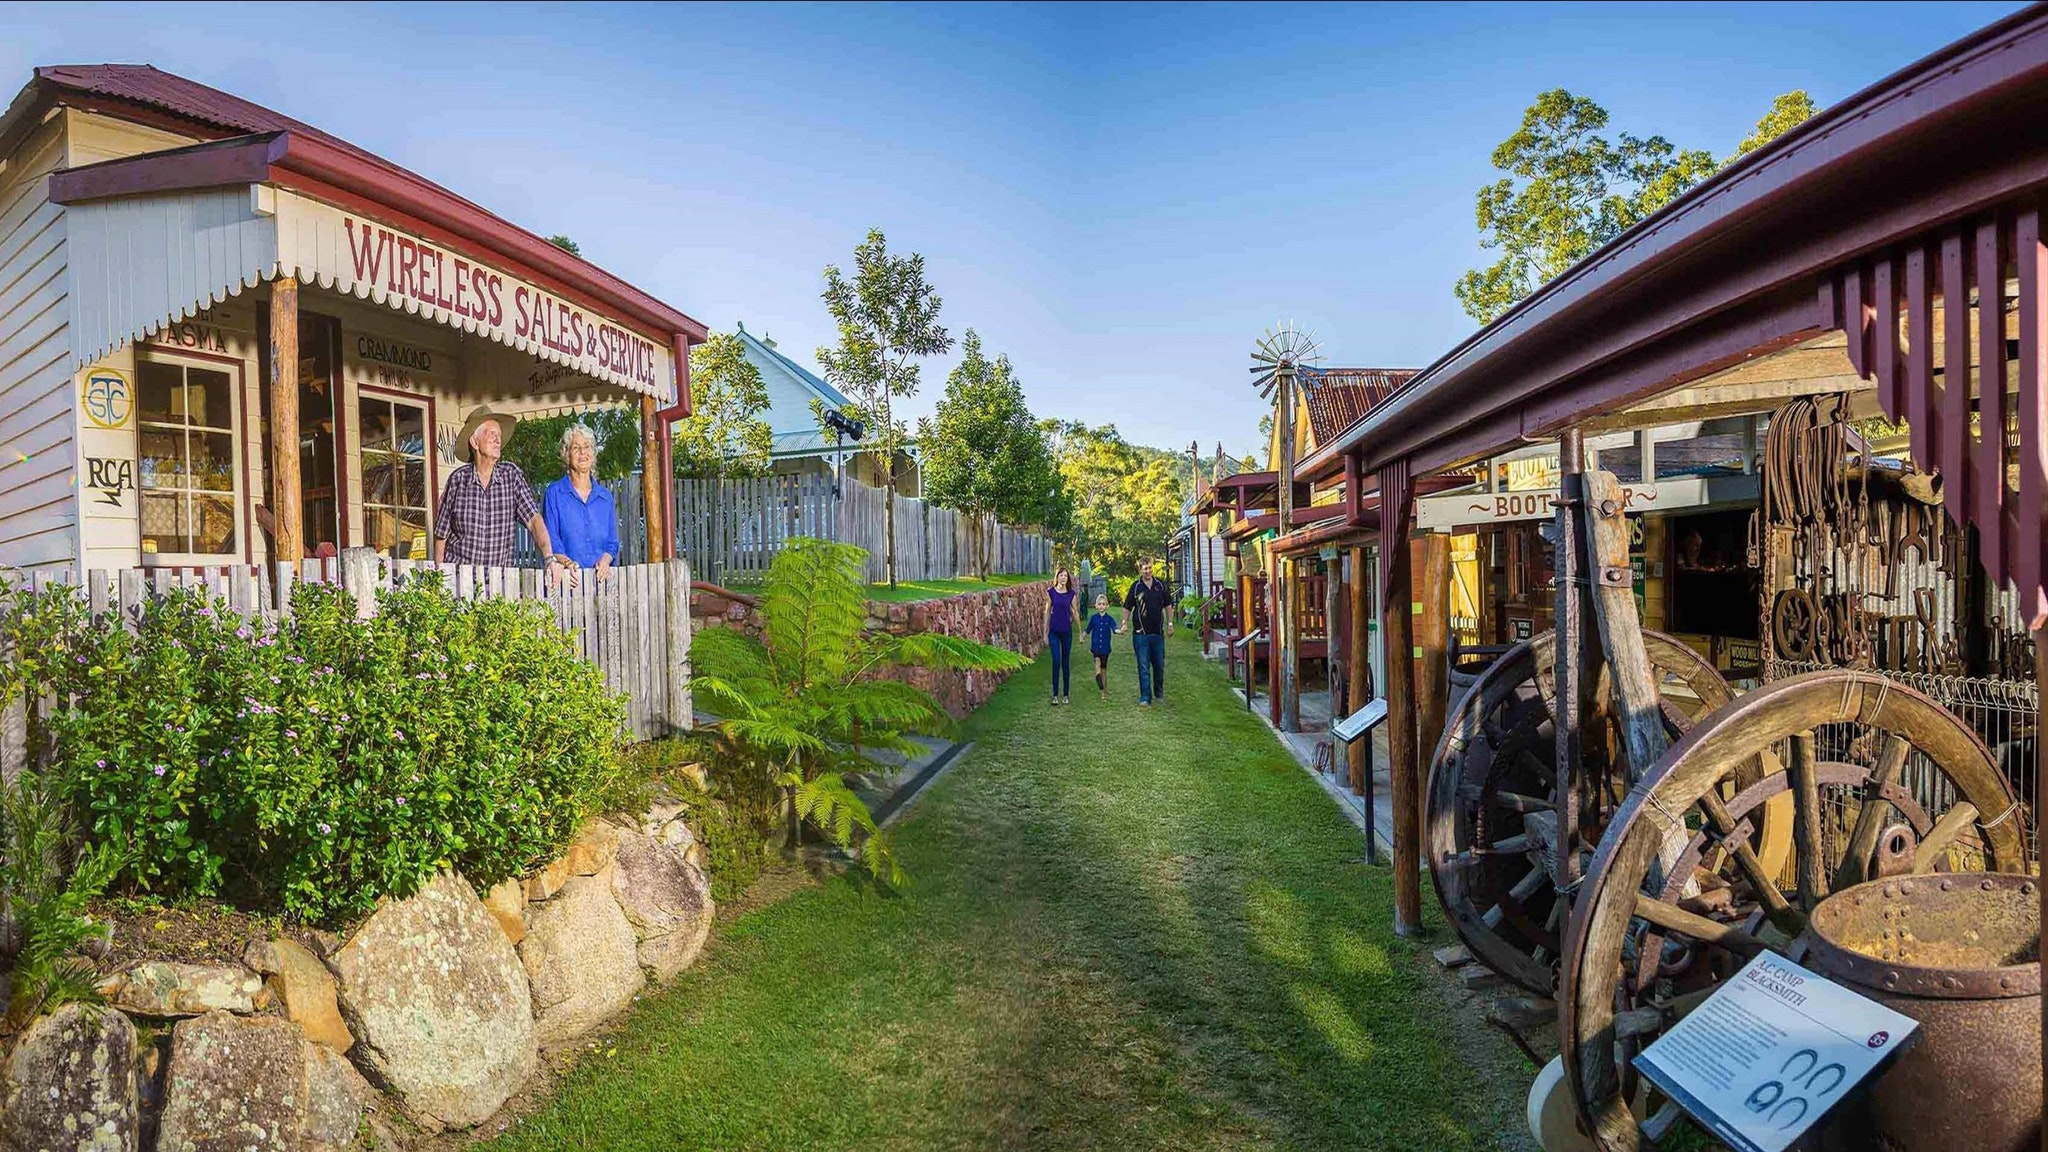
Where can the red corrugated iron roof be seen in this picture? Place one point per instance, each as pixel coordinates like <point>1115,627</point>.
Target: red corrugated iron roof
<point>190,102</point>
<point>1338,397</point>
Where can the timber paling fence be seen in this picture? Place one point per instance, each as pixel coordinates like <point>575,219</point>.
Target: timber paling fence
<point>731,530</point>
<point>635,626</point>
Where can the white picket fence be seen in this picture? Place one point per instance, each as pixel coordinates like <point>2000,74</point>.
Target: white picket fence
<point>732,529</point>
<point>634,626</point>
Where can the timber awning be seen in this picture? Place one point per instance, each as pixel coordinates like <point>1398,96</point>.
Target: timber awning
<point>155,238</point>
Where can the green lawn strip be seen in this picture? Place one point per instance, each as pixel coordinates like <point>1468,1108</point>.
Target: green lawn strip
<point>907,591</point>
<point>1125,929</point>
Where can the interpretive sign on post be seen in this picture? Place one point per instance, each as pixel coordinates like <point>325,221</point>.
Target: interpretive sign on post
<point>1360,722</point>
<point>1351,728</point>
<point>1765,1057</point>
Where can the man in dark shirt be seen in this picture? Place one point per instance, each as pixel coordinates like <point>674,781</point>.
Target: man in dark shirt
<point>1146,614</point>
<point>486,498</point>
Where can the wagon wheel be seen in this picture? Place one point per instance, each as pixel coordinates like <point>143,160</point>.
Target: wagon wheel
<point>1882,781</point>
<point>1491,803</point>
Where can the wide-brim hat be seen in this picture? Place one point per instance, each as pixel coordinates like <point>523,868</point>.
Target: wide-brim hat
<point>506,423</point>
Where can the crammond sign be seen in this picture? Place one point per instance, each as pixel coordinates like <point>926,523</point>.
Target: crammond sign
<point>362,256</point>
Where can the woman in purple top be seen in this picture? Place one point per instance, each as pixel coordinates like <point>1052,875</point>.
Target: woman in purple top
<point>1060,614</point>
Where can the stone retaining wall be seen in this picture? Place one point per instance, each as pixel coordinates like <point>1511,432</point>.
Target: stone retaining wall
<point>437,1008</point>
<point>1011,618</point>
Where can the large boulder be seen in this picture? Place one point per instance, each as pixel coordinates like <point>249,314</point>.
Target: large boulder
<point>666,898</point>
<point>167,988</point>
<point>438,1003</point>
<point>304,986</point>
<point>238,1084</point>
<point>581,958</point>
<point>70,1084</point>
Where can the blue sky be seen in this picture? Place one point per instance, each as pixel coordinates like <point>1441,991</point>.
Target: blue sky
<point>1119,198</point>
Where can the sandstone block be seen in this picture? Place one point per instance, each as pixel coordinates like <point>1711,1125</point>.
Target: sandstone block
<point>167,988</point>
<point>507,905</point>
<point>304,986</point>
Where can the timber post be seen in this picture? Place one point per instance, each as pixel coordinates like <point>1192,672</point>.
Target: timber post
<point>1358,654</point>
<point>1577,667</point>
<point>286,508</point>
<point>1432,638</point>
<point>651,486</point>
<point>1396,625</point>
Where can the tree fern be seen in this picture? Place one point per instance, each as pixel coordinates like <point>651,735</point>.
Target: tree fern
<point>812,699</point>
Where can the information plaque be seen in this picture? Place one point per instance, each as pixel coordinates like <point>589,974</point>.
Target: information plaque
<point>1360,722</point>
<point>1765,1057</point>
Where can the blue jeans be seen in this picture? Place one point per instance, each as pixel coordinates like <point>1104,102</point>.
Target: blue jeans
<point>1150,648</point>
<point>1062,645</point>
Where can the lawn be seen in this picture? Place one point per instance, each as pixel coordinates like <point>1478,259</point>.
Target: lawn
<point>1125,928</point>
<point>908,590</point>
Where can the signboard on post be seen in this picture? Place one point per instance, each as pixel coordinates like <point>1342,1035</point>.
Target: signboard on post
<point>1474,507</point>
<point>1360,722</point>
<point>1770,1052</point>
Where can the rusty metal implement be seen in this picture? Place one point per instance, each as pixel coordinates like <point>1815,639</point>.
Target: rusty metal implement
<point>1960,953</point>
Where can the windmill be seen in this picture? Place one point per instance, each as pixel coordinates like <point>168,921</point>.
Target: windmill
<point>1278,360</point>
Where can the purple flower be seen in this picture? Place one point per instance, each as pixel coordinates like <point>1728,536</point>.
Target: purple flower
<point>326,831</point>
<point>401,801</point>
<point>290,735</point>
<point>159,769</point>
<point>99,763</point>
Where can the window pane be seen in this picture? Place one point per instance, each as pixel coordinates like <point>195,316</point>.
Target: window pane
<point>207,398</point>
<point>412,535</point>
<point>157,388</point>
<point>380,530</point>
<point>163,458</point>
<point>213,524</point>
<point>414,491</point>
<point>213,461</point>
<point>378,479</point>
<point>412,429</point>
<point>163,522</point>
<point>376,419</point>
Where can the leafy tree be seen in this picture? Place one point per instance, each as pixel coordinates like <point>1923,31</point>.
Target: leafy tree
<point>811,698</point>
<point>1126,497</point>
<point>1568,189</point>
<point>983,452</point>
<point>565,244</point>
<point>1787,112</point>
<point>536,444</point>
<point>724,434</point>
<point>888,318</point>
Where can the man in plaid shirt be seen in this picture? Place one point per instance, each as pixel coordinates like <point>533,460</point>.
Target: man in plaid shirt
<point>485,497</point>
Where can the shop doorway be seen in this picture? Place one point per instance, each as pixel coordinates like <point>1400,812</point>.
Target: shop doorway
<point>319,434</point>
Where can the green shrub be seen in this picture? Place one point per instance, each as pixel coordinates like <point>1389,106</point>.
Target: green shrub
<point>735,812</point>
<point>316,764</point>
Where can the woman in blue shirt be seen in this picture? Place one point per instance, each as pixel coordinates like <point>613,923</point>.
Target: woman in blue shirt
<point>582,521</point>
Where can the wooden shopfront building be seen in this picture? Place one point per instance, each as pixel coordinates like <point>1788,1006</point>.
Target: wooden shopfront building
<point>228,338</point>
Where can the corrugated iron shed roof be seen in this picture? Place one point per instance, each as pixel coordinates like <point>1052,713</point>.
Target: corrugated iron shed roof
<point>1337,397</point>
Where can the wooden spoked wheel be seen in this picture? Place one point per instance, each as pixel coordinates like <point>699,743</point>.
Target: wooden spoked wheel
<point>1493,799</point>
<point>1880,781</point>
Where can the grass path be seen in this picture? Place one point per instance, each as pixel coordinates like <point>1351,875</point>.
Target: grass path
<point>1125,928</point>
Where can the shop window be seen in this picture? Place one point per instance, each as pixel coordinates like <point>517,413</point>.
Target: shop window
<point>396,492</point>
<point>185,416</point>
<point>1713,590</point>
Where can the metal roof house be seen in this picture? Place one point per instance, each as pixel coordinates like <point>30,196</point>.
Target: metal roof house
<point>795,397</point>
